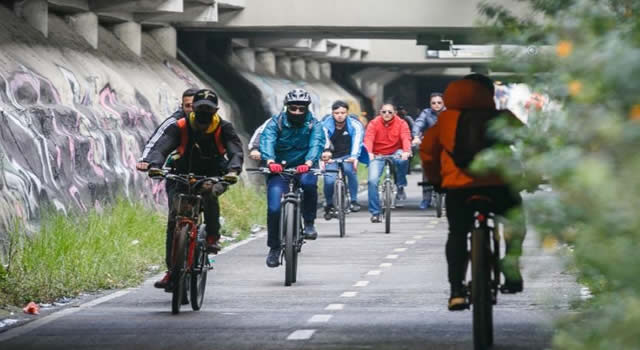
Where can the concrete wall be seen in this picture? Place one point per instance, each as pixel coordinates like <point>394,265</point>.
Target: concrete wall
<point>75,119</point>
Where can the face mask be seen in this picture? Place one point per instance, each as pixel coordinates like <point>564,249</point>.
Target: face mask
<point>296,120</point>
<point>203,116</point>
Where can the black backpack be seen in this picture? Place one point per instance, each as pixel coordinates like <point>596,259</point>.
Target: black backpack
<point>472,135</point>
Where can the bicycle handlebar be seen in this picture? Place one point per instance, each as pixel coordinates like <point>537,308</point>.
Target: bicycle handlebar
<point>187,179</point>
<point>288,171</point>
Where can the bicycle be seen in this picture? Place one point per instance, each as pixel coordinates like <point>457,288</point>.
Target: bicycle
<point>189,258</point>
<point>341,197</point>
<point>485,270</point>
<point>437,198</point>
<point>291,225</point>
<point>388,190</point>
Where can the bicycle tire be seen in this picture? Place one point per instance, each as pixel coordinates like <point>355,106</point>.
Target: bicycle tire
<point>179,268</point>
<point>199,272</point>
<point>289,243</point>
<point>340,206</point>
<point>388,193</point>
<point>481,290</point>
<point>298,246</point>
<point>439,205</point>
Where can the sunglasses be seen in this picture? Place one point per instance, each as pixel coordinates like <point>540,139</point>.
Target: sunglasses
<point>296,108</point>
<point>386,112</point>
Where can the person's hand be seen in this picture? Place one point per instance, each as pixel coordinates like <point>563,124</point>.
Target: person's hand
<point>326,155</point>
<point>231,177</point>
<point>255,154</point>
<point>301,169</point>
<point>405,155</point>
<point>275,168</point>
<point>371,156</point>
<point>416,141</point>
<point>142,166</point>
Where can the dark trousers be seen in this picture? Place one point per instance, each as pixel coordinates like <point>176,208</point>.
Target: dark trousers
<point>507,205</point>
<point>211,209</point>
<point>276,187</point>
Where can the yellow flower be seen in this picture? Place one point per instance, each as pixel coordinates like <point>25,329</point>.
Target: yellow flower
<point>575,86</point>
<point>564,48</point>
<point>634,114</point>
<point>549,243</point>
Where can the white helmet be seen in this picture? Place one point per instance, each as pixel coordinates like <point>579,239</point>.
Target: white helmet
<point>299,96</point>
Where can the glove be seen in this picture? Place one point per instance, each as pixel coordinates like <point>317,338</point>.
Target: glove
<point>219,188</point>
<point>230,178</point>
<point>275,168</point>
<point>301,169</point>
<point>155,172</point>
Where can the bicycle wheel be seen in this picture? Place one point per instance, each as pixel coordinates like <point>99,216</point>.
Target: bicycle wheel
<point>340,206</point>
<point>439,205</point>
<point>179,269</point>
<point>388,193</point>
<point>289,243</point>
<point>199,272</point>
<point>481,290</point>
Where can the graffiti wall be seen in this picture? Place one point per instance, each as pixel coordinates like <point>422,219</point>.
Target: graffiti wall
<point>75,120</point>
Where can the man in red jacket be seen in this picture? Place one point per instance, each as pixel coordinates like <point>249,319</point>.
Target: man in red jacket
<point>387,135</point>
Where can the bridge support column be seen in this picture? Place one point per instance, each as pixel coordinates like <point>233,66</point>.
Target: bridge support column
<point>299,68</point>
<point>266,62</point>
<point>130,33</point>
<point>244,58</point>
<point>313,69</point>
<point>35,12</point>
<point>325,71</point>
<point>85,24</point>
<point>167,38</point>
<point>283,66</point>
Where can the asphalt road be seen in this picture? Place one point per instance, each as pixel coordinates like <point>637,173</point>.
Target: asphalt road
<point>369,290</point>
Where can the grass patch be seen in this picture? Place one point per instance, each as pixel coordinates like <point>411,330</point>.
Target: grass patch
<point>113,248</point>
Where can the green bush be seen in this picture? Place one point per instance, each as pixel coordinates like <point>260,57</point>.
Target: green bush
<point>585,56</point>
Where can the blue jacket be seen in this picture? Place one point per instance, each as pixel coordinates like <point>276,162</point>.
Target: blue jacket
<point>356,130</point>
<point>283,142</point>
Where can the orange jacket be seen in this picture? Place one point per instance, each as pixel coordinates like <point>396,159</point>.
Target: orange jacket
<point>437,163</point>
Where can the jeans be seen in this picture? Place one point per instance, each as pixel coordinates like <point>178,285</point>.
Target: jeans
<point>427,191</point>
<point>375,171</point>
<point>330,180</point>
<point>460,217</point>
<point>211,209</point>
<point>277,186</point>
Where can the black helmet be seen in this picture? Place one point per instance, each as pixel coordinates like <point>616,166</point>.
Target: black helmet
<point>297,96</point>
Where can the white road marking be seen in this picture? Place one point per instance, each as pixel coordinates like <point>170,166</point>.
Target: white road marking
<point>391,256</point>
<point>301,334</point>
<point>386,265</point>
<point>434,222</point>
<point>417,237</point>
<point>334,307</point>
<point>374,272</point>
<point>399,250</point>
<point>361,284</point>
<point>430,227</point>
<point>410,242</point>
<point>349,294</point>
<point>319,318</point>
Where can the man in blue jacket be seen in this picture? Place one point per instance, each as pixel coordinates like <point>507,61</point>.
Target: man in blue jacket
<point>297,138</point>
<point>346,134</point>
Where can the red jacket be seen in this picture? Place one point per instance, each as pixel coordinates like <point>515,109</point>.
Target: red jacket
<point>386,138</point>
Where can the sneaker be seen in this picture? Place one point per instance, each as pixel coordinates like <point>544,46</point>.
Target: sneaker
<point>212,244</point>
<point>273,258</point>
<point>400,195</point>
<point>458,299</point>
<point>376,218</point>
<point>329,212</point>
<point>513,282</point>
<point>355,207</point>
<point>309,232</point>
<point>424,204</point>
<point>164,282</point>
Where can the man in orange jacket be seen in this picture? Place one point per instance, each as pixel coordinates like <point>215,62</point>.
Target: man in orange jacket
<point>387,135</point>
<point>473,93</point>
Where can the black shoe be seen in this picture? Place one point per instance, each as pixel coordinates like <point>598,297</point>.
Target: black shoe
<point>512,287</point>
<point>400,195</point>
<point>458,299</point>
<point>273,259</point>
<point>329,212</point>
<point>376,218</point>
<point>309,232</point>
<point>355,207</point>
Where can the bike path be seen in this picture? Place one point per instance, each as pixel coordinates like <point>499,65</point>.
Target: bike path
<point>369,290</point>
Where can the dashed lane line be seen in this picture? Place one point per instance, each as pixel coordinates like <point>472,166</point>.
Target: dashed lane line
<point>399,250</point>
<point>361,284</point>
<point>349,294</point>
<point>334,307</point>
<point>391,256</point>
<point>301,334</point>
<point>374,273</point>
<point>320,318</point>
<point>385,265</point>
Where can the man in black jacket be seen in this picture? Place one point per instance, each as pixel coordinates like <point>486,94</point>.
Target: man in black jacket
<point>206,145</point>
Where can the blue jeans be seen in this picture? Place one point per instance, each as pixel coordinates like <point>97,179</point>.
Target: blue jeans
<point>375,171</point>
<point>330,180</point>
<point>276,187</point>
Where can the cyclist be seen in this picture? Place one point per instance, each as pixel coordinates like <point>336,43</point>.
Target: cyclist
<point>297,138</point>
<point>346,134</point>
<point>387,134</point>
<point>473,93</point>
<point>207,145</point>
<point>425,120</point>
